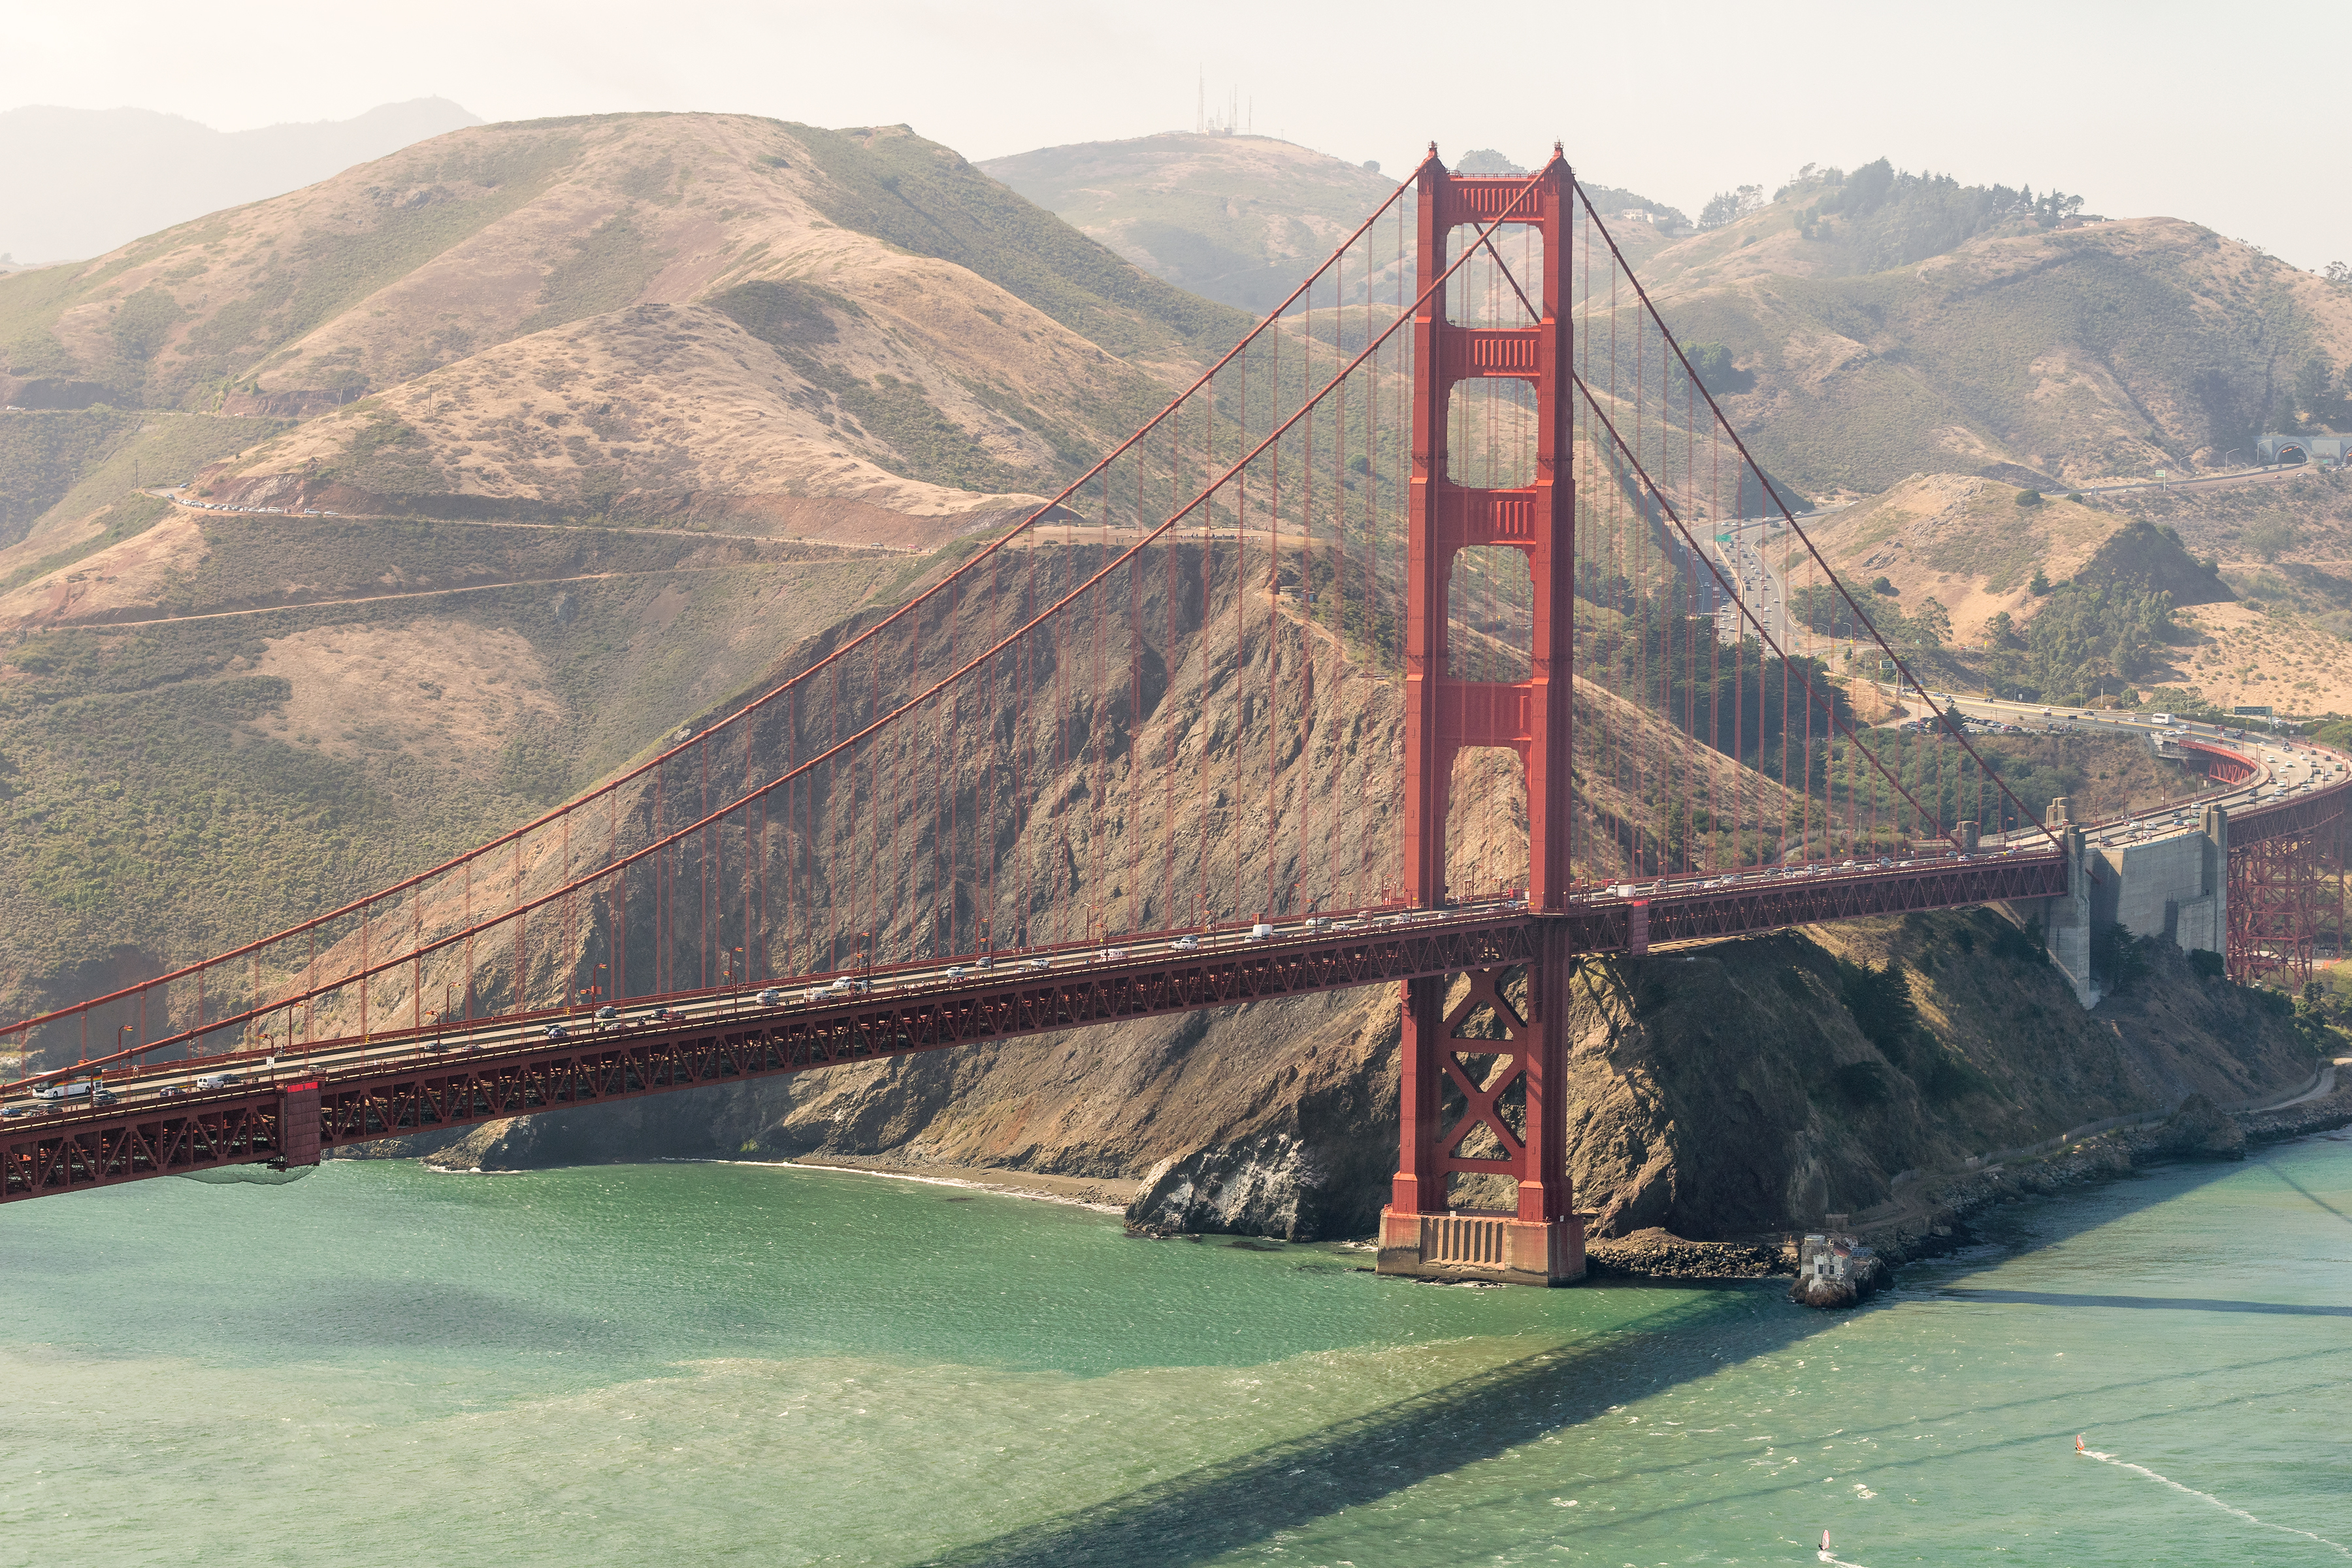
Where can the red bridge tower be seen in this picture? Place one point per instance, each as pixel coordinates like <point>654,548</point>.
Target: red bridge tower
<point>1509,1118</point>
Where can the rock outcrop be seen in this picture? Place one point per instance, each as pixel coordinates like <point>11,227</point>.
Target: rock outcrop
<point>2200,1130</point>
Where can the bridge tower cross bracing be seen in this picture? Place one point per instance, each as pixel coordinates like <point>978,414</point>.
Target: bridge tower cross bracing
<point>1541,1241</point>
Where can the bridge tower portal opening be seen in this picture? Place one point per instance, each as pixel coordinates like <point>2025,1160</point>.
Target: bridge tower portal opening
<point>1473,1103</point>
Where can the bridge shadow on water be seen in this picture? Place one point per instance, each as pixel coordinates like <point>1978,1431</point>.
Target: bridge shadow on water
<point>2039,1222</point>
<point>2165,1303</point>
<point>1218,1508</point>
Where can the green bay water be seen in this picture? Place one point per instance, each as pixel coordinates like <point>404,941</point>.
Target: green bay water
<point>692,1365</point>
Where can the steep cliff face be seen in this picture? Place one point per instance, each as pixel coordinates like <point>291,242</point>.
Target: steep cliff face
<point>1739,1088</point>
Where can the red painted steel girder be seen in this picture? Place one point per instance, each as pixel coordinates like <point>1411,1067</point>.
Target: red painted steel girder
<point>375,1098</point>
<point>63,1153</point>
<point>1817,898</point>
<point>2289,817</point>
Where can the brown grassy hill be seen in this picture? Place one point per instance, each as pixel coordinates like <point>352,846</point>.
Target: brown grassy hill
<point>1242,219</point>
<point>2271,626</point>
<point>664,413</point>
<point>1880,325</point>
<point>1962,540</point>
<point>2035,355</point>
<point>2285,549</point>
<point>928,320</point>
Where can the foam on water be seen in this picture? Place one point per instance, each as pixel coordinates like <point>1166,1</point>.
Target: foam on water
<point>2122,1464</point>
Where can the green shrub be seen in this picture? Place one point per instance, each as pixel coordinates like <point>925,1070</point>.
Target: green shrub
<point>1948,1077</point>
<point>2120,958</point>
<point>1880,1002</point>
<point>1862,1083</point>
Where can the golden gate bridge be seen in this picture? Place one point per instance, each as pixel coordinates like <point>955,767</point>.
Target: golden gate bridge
<point>1435,538</point>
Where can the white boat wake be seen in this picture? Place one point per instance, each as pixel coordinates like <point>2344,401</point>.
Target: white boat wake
<point>2204,1497</point>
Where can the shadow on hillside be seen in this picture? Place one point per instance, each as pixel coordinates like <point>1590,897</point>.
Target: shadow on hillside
<point>1217,1509</point>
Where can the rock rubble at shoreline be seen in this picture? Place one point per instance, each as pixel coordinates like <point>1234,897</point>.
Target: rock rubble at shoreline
<point>1936,1223</point>
<point>2196,1132</point>
<point>1656,1254</point>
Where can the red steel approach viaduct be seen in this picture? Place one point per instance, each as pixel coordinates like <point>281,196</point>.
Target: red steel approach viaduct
<point>1196,733</point>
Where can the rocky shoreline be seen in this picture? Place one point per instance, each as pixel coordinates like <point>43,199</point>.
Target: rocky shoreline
<point>1656,1254</point>
<point>1936,1223</point>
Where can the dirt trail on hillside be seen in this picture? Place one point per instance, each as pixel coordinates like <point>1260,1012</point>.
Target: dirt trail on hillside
<point>110,625</point>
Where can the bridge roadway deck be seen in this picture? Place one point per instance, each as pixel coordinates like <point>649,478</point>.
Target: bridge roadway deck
<point>437,1078</point>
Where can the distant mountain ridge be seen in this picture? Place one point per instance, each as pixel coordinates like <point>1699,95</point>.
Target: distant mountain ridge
<point>157,170</point>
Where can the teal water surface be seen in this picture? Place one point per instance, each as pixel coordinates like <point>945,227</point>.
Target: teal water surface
<point>691,1365</point>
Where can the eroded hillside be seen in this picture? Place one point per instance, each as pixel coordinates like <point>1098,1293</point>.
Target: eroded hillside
<point>511,451</point>
<point>933,323</point>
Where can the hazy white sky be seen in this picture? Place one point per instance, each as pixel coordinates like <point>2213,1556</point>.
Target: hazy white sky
<point>2232,115</point>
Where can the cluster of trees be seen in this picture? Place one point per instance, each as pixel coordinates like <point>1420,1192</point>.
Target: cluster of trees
<point>2088,640</point>
<point>1726,206</point>
<point>1717,373</point>
<point>1828,612</point>
<point>1892,217</point>
<point>2320,393</point>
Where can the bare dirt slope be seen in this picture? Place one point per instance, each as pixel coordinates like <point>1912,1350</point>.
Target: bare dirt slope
<point>1962,540</point>
<point>2286,551</point>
